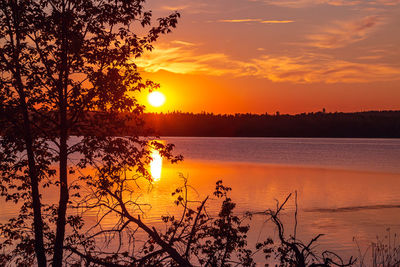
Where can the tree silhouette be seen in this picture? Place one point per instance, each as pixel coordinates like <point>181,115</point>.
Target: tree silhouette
<point>63,61</point>
<point>67,70</point>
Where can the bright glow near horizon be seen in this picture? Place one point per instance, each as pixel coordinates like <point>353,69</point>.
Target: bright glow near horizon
<point>277,55</point>
<point>156,99</point>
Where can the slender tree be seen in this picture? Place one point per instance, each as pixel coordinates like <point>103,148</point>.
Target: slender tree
<point>67,68</point>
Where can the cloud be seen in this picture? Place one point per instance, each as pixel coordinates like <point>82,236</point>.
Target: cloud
<point>174,8</point>
<point>303,69</point>
<point>276,21</point>
<point>306,3</point>
<point>256,20</point>
<point>370,57</point>
<point>385,2</point>
<point>188,6</point>
<point>184,43</point>
<point>184,61</point>
<point>239,20</point>
<point>329,70</point>
<point>344,33</point>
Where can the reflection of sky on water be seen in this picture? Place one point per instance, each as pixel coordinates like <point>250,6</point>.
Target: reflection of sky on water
<point>380,155</point>
<point>256,187</point>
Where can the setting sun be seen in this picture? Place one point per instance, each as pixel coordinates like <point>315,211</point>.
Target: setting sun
<point>156,99</point>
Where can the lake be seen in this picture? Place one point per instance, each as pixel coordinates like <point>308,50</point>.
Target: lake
<point>348,189</point>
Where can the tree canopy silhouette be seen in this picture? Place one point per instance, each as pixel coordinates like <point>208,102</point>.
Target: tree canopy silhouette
<point>59,60</point>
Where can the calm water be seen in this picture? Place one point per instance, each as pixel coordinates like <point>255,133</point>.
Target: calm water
<point>380,155</point>
<point>347,188</point>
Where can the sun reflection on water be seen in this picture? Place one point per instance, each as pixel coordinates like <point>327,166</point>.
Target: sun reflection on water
<point>155,165</point>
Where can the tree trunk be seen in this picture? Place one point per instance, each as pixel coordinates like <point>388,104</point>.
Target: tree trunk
<point>63,103</point>
<point>36,204</point>
<point>64,196</point>
<point>28,139</point>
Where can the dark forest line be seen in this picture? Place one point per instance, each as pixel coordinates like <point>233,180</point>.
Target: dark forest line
<point>370,124</point>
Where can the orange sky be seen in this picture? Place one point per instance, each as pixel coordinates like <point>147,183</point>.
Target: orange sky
<point>231,56</point>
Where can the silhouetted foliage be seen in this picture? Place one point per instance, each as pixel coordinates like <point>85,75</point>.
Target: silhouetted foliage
<point>60,60</point>
<point>193,237</point>
<point>293,252</point>
<point>385,252</point>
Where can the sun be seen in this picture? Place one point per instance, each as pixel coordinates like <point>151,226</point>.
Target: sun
<point>156,99</point>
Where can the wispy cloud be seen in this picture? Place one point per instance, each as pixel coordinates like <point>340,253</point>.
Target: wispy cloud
<point>188,6</point>
<point>303,69</point>
<point>183,61</point>
<point>385,2</point>
<point>305,3</point>
<point>373,57</point>
<point>179,42</point>
<point>256,20</point>
<point>239,20</point>
<point>344,33</point>
<point>313,70</point>
<point>174,8</point>
<point>277,21</point>
<point>341,2</point>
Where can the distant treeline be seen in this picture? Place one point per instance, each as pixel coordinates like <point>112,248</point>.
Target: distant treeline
<point>373,124</point>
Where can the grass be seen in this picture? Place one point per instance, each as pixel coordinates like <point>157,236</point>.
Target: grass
<point>384,252</point>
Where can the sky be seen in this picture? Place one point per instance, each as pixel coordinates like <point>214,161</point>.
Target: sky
<point>258,56</point>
